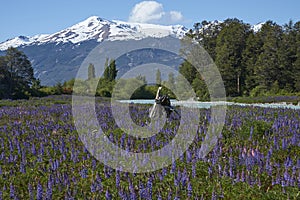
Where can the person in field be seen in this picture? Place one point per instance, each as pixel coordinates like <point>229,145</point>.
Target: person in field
<point>162,102</point>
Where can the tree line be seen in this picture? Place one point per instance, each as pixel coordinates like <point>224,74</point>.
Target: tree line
<point>266,62</point>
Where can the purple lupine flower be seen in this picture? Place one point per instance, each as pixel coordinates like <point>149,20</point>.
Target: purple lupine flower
<point>22,167</point>
<point>2,155</point>
<point>39,192</point>
<point>243,178</point>
<point>258,182</point>
<point>194,168</point>
<point>176,198</point>
<point>160,176</point>
<point>283,184</point>
<point>83,173</point>
<point>164,172</point>
<point>294,139</point>
<point>288,162</point>
<point>278,178</point>
<point>159,196</point>
<point>42,149</point>
<point>18,146</point>
<point>284,143</point>
<point>11,147</point>
<point>178,175</point>
<point>99,182</point>
<point>213,195</point>
<point>237,179</point>
<point>149,186</point>
<point>231,162</point>
<point>132,195</point>
<point>30,191</point>
<point>220,169</point>
<point>62,146</point>
<point>108,196</point>
<point>169,195</point>
<point>188,156</point>
<point>122,194</point>
<point>173,167</point>
<point>33,150</point>
<point>94,164</point>
<point>189,189</point>
<point>176,182</point>
<point>225,173</point>
<point>286,176</point>
<point>66,179</point>
<point>210,170</point>
<point>141,190</point>
<point>251,133</point>
<point>276,146</point>
<point>231,174</point>
<point>49,189</point>
<point>93,187</point>
<point>184,178</point>
<point>117,179</point>
<point>12,191</point>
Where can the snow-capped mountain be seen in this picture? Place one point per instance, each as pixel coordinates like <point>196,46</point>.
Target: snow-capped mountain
<point>96,28</point>
<point>56,57</point>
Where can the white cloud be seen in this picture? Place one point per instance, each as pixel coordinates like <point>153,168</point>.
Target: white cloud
<point>176,16</point>
<point>153,12</point>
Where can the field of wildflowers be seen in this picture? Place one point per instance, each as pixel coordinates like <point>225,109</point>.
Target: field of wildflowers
<point>42,157</point>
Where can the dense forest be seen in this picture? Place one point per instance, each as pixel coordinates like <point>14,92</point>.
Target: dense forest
<point>252,63</point>
<point>265,62</point>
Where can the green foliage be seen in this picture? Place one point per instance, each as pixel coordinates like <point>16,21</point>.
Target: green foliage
<point>188,71</point>
<point>206,34</point>
<point>201,89</point>
<point>252,63</point>
<point>171,81</point>
<point>158,77</point>
<point>104,87</point>
<point>254,130</point>
<point>58,88</point>
<point>267,67</point>
<point>110,72</point>
<point>219,175</point>
<point>231,42</point>
<point>91,72</point>
<point>16,79</point>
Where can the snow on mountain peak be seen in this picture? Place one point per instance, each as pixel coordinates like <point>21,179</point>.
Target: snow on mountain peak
<point>99,29</point>
<point>257,27</point>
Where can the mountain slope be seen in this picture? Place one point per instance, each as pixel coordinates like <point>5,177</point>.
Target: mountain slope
<point>57,57</point>
<point>96,28</point>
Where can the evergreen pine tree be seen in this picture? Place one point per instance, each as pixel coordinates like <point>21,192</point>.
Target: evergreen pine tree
<point>267,68</point>
<point>171,81</point>
<point>91,72</point>
<point>231,42</point>
<point>249,59</point>
<point>158,77</point>
<point>287,56</point>
<point>110,72</point>
<point>296,64</point>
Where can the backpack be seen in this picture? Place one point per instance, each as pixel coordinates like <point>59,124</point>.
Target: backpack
<point>164,100</point>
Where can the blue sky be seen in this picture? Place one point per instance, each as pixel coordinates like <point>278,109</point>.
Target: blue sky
<point>31,17</point>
